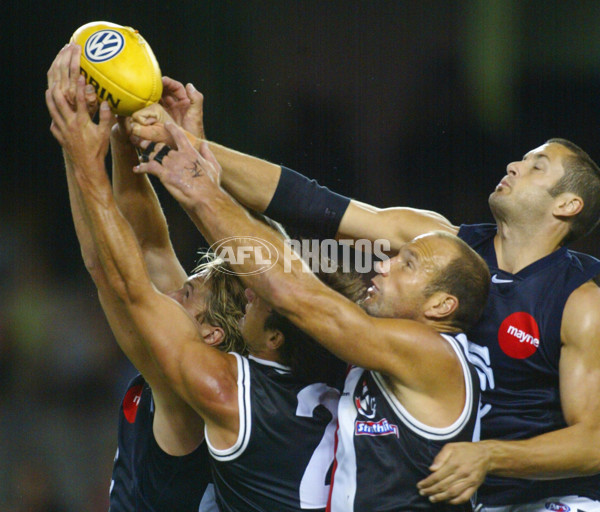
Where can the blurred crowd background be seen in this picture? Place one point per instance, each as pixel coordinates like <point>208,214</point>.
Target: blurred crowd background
<point>420,103</point>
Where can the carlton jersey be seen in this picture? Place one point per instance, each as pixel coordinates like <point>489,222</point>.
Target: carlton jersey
<point>382,451</point>
<point>519,336</point>
<point>145,478</point>
<point>282,458</point>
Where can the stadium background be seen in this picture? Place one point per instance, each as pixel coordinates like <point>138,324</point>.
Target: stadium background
<point>419,103</point>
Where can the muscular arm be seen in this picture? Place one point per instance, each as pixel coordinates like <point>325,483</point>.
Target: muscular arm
<point>398,225</point>
<point>139,315</point>
<point>254,182</point>
<point>572,451</point>
<point>139,204</point>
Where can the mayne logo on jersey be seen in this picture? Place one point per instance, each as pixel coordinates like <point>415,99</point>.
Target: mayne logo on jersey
<point>519,335</point>
<point>375,428</point>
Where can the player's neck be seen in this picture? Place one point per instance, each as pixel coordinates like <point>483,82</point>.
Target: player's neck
<point>517,247</point>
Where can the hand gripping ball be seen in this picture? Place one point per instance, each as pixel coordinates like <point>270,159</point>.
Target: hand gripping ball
<point>120,65</point>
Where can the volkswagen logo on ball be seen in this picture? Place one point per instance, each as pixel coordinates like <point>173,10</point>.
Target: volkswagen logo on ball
<point>104,45</point>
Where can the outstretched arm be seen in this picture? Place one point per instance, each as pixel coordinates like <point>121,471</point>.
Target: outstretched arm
<point>135,194</point>
<point>459,469</point>
<point>137,312</point>
<point>137,200</point>
<point>289,197</point>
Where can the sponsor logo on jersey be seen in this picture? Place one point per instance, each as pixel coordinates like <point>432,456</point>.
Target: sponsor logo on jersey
<point>519,335</point>
<point>557,506</point>
<point>365,404</point>
<point>497,280</point>
<point>375,428</point>
<point>131,402</point>
<point>104,45</point>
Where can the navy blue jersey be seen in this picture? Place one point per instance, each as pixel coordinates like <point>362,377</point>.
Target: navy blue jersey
<point>145,478</point>
<point>383,451</point>
<point>284,452</point>
<point>520,333</point>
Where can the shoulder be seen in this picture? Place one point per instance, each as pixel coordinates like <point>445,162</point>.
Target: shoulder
<point>581,322</point>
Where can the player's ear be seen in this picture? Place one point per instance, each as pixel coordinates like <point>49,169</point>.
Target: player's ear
<point>276,339</point>
<point>567,204</point>
<point>440,305</point>
<point>213,335</point>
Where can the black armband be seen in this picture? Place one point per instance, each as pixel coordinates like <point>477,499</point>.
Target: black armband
<point>312,209</point>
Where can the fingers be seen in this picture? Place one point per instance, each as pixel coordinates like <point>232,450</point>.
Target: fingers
<point>178,135</point>
<point>193,120</point>
<point>65,70</point>
<point>155,132</point>
<point>173,89</point>
<point>455,492</point>
<point>152,167</point>
<point>54,114</point>
<point>464,496</point>
<point>441,458</point>
<point>107,119</point>
<point>74,69</point>
<point>91,100</point>
<point>195,96</point>
<point>148,115</point>
<point>53,71</point>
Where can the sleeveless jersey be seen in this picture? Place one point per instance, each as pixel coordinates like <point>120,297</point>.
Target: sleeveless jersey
<point>519,336</point>
<point>145,478</point>
<point>284,452</point>
<point>383,451</point>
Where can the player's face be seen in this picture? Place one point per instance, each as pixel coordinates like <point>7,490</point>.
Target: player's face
<point>397,291</point>
<point>193,296</point>
<point>252,324</point>
<point>524,191</point>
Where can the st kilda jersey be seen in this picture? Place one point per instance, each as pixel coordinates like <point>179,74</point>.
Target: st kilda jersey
<point>383,451</point>
<point>519,334</point>
<point>282,459</point>
<point>145,478</point>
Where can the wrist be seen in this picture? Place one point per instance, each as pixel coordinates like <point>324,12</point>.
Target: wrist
<point>490,455</point>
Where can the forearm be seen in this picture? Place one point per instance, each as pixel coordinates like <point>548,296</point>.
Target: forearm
<point>568,452</point>
<point>86,241</point>
<point>116,246</point>
<point>139,204</point>
<point>250,180</point>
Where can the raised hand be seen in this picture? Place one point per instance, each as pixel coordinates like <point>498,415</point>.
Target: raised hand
<point>186,173</point>
<point>184,105</point>
<point>64,73</point>
<point>83,140</point>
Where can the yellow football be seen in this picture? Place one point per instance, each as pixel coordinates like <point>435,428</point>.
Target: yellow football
<point>120,64</point>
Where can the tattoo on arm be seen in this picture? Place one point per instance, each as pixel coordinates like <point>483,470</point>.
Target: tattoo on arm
<point>195,169</point>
